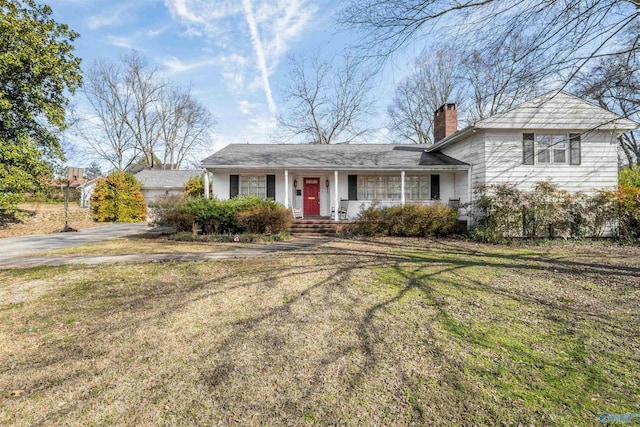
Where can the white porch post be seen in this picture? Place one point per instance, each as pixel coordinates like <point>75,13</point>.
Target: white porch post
<point>286,188</point>
<point>470,195</point>
<point>206,184</point>
<point>336,198</point>
<point>402,188</point>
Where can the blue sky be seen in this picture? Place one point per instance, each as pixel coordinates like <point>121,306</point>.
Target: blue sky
<point>233,53</point>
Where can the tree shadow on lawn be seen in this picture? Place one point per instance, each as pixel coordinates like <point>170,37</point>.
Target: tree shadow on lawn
<point>326,346</point>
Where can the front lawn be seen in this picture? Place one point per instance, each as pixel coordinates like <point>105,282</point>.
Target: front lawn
<point>389,332</point>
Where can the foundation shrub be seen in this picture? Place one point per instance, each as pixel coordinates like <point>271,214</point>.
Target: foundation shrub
<point>503,212</point>
<point>404,221</point>
<point>268,218</point>
<point>167,212</point>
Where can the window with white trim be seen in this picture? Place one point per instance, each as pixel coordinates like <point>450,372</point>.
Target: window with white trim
<point>253,185</point>
<point>380,187</point>
<point>417,188</point>
<point>546,149</point>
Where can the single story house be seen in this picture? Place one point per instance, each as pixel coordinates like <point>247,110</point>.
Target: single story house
<point>158,183</point>
<point>556,136</point>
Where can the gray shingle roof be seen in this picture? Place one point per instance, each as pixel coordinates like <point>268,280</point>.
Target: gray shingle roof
<point>165,178</point>
<point>336,156</point>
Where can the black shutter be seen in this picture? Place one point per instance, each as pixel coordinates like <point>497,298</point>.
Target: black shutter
<point>574,148</point>
<point>353,187</point>
<point>234,185</point>
<point>271,187</point>
<point>528,149</point>
<point>435,187</point>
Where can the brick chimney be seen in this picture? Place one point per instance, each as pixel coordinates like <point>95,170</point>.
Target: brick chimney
<point>445,122</point>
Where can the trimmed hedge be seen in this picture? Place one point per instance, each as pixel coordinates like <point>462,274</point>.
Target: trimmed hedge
<point>404,221</point>
<point>118,198</point>
<point>238,215</point>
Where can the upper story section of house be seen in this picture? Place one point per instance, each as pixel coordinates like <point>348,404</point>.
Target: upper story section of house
<point>556,136</point>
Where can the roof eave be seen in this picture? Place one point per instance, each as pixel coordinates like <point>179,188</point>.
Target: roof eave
<point>451,139</point>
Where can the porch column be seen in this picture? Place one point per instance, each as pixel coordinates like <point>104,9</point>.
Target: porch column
<point>336,198</point>
<point>206,184</point>
<point>286,188</point>
<point>470,195</point>
<point>402,188</point>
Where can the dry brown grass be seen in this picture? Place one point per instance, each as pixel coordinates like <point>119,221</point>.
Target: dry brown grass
<point>394,332</point>
<point>43,218</point>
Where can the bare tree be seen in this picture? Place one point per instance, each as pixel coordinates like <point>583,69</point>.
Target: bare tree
<point>184,126</point>
<point>569,32</point>
<point>500,78</point>
<point>432,81</point>
<point>106,131</point>
<point>615,85</point>
<point>146,89</point>
<point>135,111</point>
<point>326,104</point>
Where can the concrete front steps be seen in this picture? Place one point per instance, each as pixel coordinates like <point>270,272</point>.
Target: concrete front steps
<point>313,227</point>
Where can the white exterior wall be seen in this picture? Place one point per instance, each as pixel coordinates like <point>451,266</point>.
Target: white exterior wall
<point>220,187</point>
<point>598,168</point>
<point>470,151</point>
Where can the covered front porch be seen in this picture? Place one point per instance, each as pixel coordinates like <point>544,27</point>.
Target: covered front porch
<point>315,193</point>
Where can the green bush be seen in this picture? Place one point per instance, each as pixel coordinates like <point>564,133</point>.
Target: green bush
<point>195,186</point>
<point>118,197</point>
<point>221,216</point>
<point>270,218</point>
<point>404,221</point>
<point>166,212</point>
<point>629,177</point>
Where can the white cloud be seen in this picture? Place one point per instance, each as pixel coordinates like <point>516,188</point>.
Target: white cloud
<point>246,107</point>
<point>124,42</point>
<point>175,66</point>
<point>262,28</point>
<point>110,17</point>
<point>257,47</point>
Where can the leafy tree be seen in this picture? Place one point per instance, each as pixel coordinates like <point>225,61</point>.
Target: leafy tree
<point>37,67</point>
<point>118,198</point>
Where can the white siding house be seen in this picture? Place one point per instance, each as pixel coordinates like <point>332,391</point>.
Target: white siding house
<point>315,178</point>
<point>557,137</point>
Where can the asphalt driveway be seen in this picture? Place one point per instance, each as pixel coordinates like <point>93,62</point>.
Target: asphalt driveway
<point>12,248</point>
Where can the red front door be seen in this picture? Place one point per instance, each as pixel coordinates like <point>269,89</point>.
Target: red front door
<point>312,196</point>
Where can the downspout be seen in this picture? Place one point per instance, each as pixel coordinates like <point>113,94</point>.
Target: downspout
<point>402,188</point>
<point>286,188</point>
<point>470,193</point>
<point>206,184</point>
<point>336,201</point>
